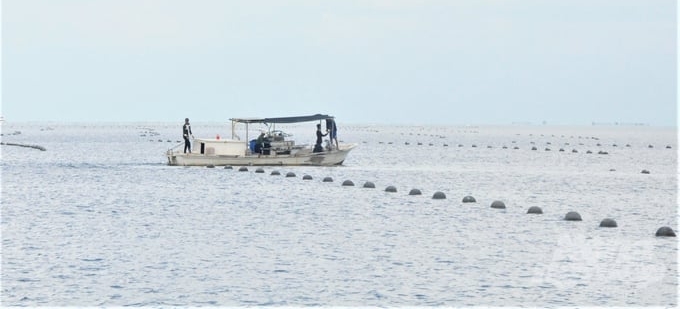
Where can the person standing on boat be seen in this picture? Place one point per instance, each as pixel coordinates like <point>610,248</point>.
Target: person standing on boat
<point>186,131</point>
<point>259,144</point>
<point>332,129</point>
<point>319,135</point>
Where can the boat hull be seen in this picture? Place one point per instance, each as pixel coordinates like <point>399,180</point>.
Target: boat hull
<point>326,158</point>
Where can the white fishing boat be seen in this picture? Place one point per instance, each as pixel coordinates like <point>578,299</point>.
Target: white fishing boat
<point>278,147</point>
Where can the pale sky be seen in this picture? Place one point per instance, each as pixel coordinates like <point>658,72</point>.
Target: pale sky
<point>365,61</point>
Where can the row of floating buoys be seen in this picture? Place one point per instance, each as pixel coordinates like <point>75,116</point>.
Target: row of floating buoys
<point>41,148</point>
<point>517,147</point>
<point>664,231</point>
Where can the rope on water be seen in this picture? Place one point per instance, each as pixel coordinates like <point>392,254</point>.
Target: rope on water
<point>41,148</point>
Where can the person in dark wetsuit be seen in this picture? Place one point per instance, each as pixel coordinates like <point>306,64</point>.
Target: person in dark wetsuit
<point>186,132</point>
<point>319,135</point>
<point>332,129</point>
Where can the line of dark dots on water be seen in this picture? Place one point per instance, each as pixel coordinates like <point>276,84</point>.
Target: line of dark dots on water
<point>664,231</point>
<point>515,147</point>
<point>151,132</point>
<point>41,148</point>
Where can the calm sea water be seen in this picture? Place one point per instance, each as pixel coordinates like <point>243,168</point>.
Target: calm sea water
<point>99,219</point>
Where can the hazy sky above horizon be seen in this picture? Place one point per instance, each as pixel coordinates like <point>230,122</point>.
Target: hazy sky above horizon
<point>364,61</point>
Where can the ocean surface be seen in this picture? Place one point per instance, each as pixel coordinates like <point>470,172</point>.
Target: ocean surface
<point>99,219</point>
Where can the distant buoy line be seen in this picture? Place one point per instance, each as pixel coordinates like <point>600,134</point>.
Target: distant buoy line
<point>41,148</point>
<point>573,216</point>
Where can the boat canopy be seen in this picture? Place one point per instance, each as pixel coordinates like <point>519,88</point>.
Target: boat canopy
<point>282,119</point>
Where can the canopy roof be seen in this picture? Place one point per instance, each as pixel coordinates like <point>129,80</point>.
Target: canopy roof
<point>282,119</point>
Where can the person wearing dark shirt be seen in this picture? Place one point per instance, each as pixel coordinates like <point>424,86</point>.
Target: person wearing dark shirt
<point>319,135</point>
<point>186,132</point>
<point>259,144</point>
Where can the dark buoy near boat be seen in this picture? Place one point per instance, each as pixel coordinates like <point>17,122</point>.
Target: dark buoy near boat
<point>535,210</point>
<point>414,192</point>
<point>275,173</point>
<point>228,167</point>
<point>210,166</point>
<point>644,172</point>
<point>391,189</point>
<point>243,169</point>
<point>439,196</point>
<point>498,205</point>
<point>348,183</point>
<point>572,216</point>
<point>290,174</point>
<point>665,231</point>
<point>259,170</point>
<point>306,177</point>
<point>369,184</point>
<point>608,223</point>
<point>469,199</point>
<point>327,179</point>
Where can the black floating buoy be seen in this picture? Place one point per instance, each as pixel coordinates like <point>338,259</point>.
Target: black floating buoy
<point>535,210</point>
<point>369,184</point>
<point>645,172</point>
<point>290,174</point>
<point>534,148</point>
<point>414,192</point>
<point>498,204</point>
<point>306,177</point>
<point>572,216</point>
<point>561,150</point>
<point>243,169</point>
<point>327,179</point>
<point>275,173</point>
<point>469,199</point>
<point>259,170</point>
<point>347,183</point>
<point>210,166</point>
<point>439,196</point>
<point>651,146</point>
<point>228,167</point>
<point>608,223</point>
<point>391,189</point>
<point>665,231</point>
